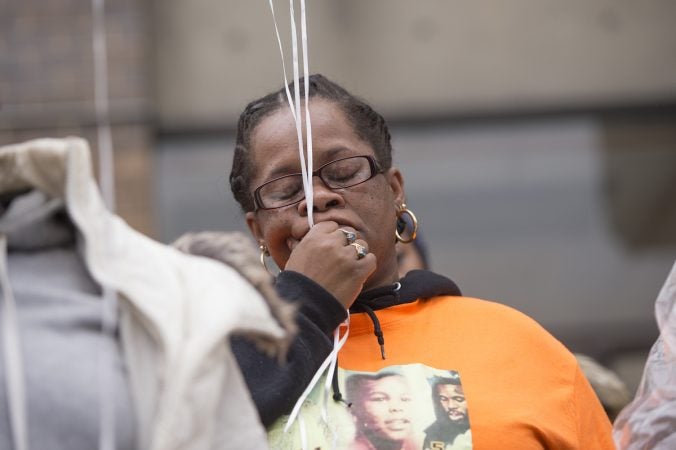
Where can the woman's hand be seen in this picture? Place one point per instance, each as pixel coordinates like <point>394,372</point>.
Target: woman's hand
<point>324,256</point>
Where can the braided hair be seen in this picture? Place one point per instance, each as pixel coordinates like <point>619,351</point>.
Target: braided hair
<point>367,124</point>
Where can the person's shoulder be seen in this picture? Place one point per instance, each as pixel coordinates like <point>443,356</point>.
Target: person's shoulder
<point>488,319</point>
<point>487,309</point>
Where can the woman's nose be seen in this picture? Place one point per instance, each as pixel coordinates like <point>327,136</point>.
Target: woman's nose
<point>323,197</point>
<point>396,406</point>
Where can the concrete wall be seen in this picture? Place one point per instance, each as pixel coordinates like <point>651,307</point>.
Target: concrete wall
<point>422,58</point>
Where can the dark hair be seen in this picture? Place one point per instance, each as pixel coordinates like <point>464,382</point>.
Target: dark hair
<point>367,123</point>
<point>435,382</point>
<point>355,383</point>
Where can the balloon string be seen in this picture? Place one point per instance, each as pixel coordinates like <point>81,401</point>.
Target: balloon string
<point>107,183</point>
<point>309,192</point>
<point>101,104</point>
<point>281,52</point>
<point>294,101</point>
<point>330,364</point>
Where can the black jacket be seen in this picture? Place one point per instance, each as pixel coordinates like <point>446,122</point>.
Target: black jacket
<point>275,388</point>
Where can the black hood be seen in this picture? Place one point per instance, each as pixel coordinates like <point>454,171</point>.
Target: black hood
<point>417,284</point>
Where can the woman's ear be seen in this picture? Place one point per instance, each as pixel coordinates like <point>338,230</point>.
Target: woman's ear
<point>254,227</point>
<point>396,182</point>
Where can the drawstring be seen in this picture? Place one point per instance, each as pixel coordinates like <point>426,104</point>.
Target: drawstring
<point>337,395</point>
<point>362,305</point>
<point>368,301</point>
<point>12,356</point>
<point>376,327</point>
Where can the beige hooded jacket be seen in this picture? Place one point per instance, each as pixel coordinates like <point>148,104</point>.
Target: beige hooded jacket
<point>176,311</point>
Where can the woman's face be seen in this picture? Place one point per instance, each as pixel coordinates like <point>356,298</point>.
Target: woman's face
<point>369,208</point>
<point>384,410</point>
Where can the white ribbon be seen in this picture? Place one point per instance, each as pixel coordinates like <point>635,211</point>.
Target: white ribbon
<point>309,194</point>
<point>330,362</point>
<point>107,183</point>
<point>328,367</point>
<point>101,105</point>
<point>304,148</point>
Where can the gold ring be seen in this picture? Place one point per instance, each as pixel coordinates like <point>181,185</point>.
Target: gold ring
<point>350,236</point>
<point>360,249</point>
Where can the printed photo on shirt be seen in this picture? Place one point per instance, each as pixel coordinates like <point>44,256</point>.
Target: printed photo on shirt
<point>407,407</point>
<point>383,411</point>
<point>450,410</point>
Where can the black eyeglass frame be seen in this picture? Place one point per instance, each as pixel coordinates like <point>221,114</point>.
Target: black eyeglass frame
<point>373,165</point>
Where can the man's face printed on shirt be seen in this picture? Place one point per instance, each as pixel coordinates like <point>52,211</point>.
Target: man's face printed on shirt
<point>453,401</point>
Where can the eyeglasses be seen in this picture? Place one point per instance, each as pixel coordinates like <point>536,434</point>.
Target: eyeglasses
<point>338,174</point>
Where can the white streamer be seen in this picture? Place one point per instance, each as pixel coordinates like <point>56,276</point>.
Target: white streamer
<point>303,433</point>
<point>330,362</point>
<point>107,183</point>
<point>309,191</point>
<point>337,345</point>
<point>101,105</point>
<point>281,52</point>
<point>329,365</point>
<point>295,102</point>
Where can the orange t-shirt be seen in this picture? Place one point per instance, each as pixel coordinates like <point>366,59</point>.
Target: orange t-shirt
<point>523,388</point>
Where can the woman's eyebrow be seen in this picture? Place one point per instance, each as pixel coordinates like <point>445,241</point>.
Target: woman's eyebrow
<point>335,151</point>
<point>286,169</point>
<point>294,168</point>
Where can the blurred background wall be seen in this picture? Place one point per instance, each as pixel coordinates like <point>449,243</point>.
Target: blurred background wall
<point>47,85</point>
<point>421,59</point>
<point>538,138</point>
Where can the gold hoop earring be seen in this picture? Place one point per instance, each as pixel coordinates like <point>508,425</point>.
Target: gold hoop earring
<point>413,221</point>
<point>265,253</point>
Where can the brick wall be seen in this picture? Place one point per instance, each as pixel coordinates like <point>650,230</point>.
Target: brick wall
<point>47,86</point>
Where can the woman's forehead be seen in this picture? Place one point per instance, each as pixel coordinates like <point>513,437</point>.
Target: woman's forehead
<point>279,128</point>
<point>274,143</point>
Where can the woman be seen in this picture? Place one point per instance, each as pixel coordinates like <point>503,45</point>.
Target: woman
<point>523,388</point>
<point>382,412</point>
